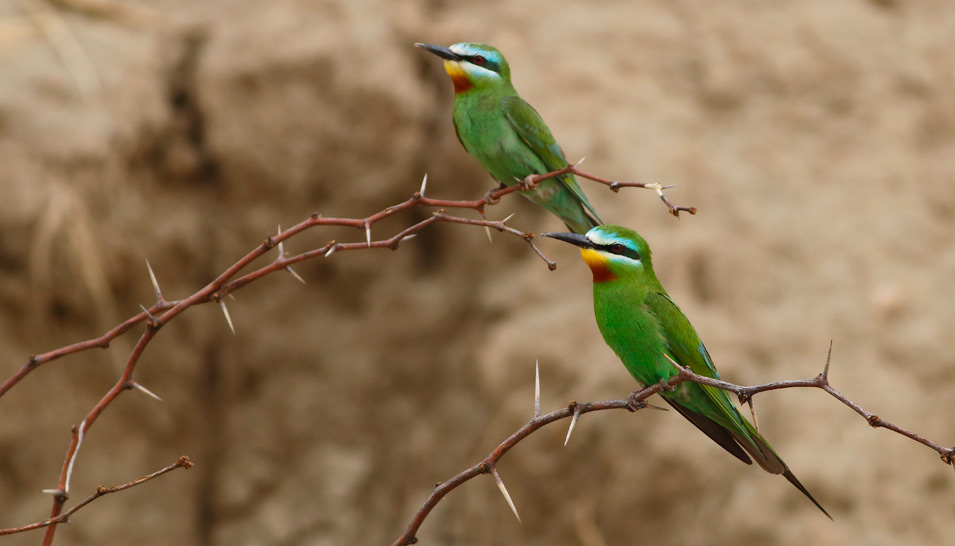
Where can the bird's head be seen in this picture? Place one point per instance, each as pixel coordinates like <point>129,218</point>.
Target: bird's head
<point>612,252</point>
<point>472,65</point>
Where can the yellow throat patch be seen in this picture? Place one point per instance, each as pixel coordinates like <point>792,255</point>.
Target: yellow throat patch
<point>458,76</point>
<point>598,265</point>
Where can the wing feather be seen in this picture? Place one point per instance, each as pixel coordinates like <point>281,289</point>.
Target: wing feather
<point>532,130</point>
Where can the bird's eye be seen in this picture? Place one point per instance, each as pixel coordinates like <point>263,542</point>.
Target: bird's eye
<point>616,248</point>
<point>479,60</point>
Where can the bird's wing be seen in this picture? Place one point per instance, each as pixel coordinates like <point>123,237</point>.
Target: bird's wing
<point>683,340</point>
<point>687,349</point>
<point>530,127</point>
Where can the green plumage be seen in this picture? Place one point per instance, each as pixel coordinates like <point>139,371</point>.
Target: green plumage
<point>644,327</point>
<point>506,135</point>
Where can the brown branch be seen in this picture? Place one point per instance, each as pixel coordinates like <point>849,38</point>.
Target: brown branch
<point>228,281</point>
<point>183,462</point>
<point>207,294</point>
<point>441,489</point>
<point>531,181</point>
<point>821,381</point>
<point>417,200</point>
<point>215,291</point>
<point>635,401</point>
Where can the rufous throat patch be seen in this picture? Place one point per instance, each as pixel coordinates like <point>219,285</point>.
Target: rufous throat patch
<point>598,265</point>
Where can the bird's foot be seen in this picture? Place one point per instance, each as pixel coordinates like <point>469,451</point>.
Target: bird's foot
<point>666,386</point>
<point>490,198</point>
<point>530,182</point>
<point>634,403</point>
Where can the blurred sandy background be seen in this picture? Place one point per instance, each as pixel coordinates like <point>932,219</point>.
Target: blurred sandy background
<point>817,139</point>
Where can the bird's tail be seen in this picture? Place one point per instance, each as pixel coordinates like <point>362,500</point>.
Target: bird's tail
<point>741,439</point>
<point>764,455</point>
<point>581,216</point>
<point>582,223</point>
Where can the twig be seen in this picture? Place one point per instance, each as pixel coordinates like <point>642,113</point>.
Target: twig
<point>636,400</point>
<point>483,467</point>
<point>821,381</point>
<point>531,181</point>
<point>183,462</point>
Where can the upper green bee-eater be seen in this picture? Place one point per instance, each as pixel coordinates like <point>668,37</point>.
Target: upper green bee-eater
<point>506,135</point>
<point>646,329</point>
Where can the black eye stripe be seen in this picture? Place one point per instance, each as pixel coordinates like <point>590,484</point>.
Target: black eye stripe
<point>621,250</point>
<point>481,60</point>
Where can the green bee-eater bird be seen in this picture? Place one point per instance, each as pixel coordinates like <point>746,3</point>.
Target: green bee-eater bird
<point>644,327</point>
<point>506,135</point>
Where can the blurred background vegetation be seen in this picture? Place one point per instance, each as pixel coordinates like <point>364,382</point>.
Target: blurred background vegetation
<point>815,137</point>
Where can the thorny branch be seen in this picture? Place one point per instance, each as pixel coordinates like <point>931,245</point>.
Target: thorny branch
<point>163,311</point>
<point>635,401</point>
<point>183,462</point>
<point>229,281</point>
<point>614,185</point>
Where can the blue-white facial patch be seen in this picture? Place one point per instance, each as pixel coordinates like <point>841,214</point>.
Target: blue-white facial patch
<point>479,63</point>
<point>613,248</point>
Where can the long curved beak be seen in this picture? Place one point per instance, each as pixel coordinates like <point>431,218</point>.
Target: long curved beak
<point>440,51</point>
<point>573,238</point>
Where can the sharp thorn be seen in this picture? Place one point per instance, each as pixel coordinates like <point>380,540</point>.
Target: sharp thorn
<point>537,389</point>
<point>573,423</point>
<point>424,184</point>
<point>294,274</point>
<point>507,496</point>
<point>152,277</point>
<point>225,311</point>
<point>368,234</point>
<point>331,250</point>
<point>69,467</point>
<point>487,230</point>
<point>409,236</point>
<point>281,247</point>
<point>148,314</point>
<point>52,491</point>
<point>825,371</point>
<point>752,411</point>
<point>674,362</point>
<point>579,162</point>
<point>511,215</point>
<point>660,408</point>
<point>145,391</point>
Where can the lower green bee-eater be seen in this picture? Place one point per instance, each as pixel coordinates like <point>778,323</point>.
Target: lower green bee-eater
<point>506,135</point>
<point>646,329</point>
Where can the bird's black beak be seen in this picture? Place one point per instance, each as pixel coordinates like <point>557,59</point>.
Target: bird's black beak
<point>442,52</point>
<point>573,238</point>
